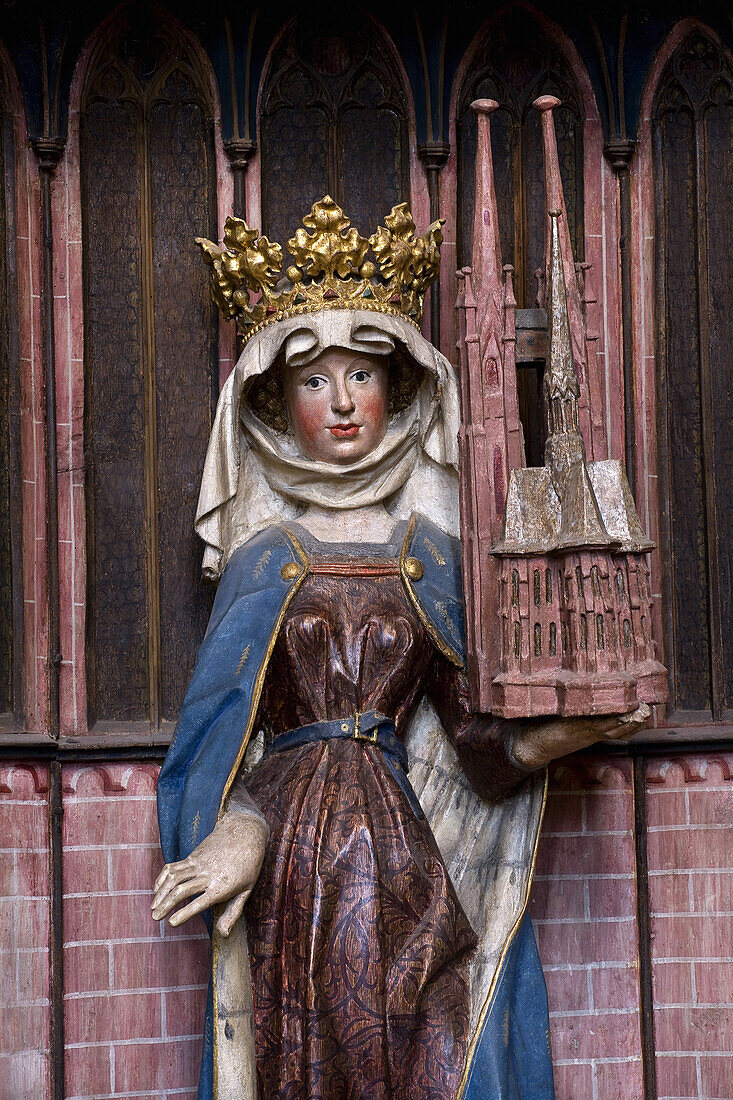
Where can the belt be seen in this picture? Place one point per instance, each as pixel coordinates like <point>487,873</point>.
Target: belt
<point>371,728</point>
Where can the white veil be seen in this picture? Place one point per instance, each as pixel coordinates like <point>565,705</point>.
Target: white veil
<point>254,475</point>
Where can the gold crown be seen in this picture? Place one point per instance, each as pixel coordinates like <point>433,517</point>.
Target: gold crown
<point>330,269</point>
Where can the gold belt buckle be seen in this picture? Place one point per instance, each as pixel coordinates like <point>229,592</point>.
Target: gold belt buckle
<point>371,737</point>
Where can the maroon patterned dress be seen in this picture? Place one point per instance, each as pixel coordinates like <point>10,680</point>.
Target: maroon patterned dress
<point>359,944</point>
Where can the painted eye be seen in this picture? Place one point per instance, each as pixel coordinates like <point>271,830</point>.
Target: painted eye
<point>361,376</point>
<point>314,383</point>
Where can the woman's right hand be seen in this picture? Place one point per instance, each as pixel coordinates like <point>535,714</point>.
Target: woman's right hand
<point>223,868</point>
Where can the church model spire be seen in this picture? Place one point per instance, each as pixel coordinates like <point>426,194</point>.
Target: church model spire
<point>560,583</point>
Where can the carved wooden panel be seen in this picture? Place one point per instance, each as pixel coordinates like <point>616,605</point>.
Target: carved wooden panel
<point>147,166</point>
<point>333,120</point>
<point>693,136</point>
<point>6,554</point>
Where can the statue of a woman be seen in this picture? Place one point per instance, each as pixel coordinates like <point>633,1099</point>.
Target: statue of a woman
<point>384,950</point>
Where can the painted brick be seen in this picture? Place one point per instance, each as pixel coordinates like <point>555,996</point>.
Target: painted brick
<point>665,807</point>
<point>581,943</point>
<point>612,1036</point>
<point>184,1011</point>
<point>609,811</point>
<point>24,1075</point>
<point>677,848</point>
<point>32,975</point>
<point>573,1082</point>
<point>670,892</point>
<point>23,1027</point>
<point>7,874</point>
<point>95,1019</point>
<point>713,891</point>
<point>24,921</point>
<point>676,1076</point>
<point>567,990</point>
<point>96,822</point>
<point>692,935</point>
<point>86,871</point>
<point>612,897</point>
<point>621,1080</point>
<point>716,1079</point>
<point>23,825</point>
<point>711,807</point>
<point>689,1028</point>
<point>32,873</point>
<point>135,868</point>
<point>87,1071</point>
<point>615,987</point>
<point>86,968</point>
<point>585,854</point>
<point>164,963</point>
<point>121,916</point>
<point>714,982</point>
<point>672,983</point>
<point>150,1066</point>
<point>554,899</point>
<point>564,812</point>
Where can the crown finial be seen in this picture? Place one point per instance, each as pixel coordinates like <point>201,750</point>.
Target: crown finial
<point>330,268</point>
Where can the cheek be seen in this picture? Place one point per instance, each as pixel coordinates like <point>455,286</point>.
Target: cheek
<point>310,411</point>
<point>374,409</point>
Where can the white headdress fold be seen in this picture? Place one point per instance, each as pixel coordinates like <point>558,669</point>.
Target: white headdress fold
<point>254,476</point>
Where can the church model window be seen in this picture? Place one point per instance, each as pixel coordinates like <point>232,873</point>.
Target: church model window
<point>147,169</point>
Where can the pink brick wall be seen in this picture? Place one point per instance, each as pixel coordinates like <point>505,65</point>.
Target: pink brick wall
<point>134,991</point>
<point>584,911</point>
<point>24,913</point>
<point>690,805</point>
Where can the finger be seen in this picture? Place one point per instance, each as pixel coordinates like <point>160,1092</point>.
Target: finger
<point>173,881</point>
<point>232,913</point>
<point>168,870</point>
<point>197,906</point>
<point>175,897</point>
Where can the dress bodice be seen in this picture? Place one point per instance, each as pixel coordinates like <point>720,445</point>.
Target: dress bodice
<point>350,641</point>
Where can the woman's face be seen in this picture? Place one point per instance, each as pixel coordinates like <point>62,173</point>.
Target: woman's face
<point>337,405</point>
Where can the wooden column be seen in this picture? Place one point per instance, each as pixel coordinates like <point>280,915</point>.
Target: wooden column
<point>434,155</point>
<point>48,151</point>
<point>239,151</point>
<point>618,152</point>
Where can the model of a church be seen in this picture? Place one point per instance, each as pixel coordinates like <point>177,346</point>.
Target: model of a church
<point>561,616</point>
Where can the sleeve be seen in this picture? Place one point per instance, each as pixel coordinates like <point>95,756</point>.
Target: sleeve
<point>240,801</point>
<point>483,742</point>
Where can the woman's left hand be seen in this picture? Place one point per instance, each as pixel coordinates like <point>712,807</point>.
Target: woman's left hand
<point>223,868</point>
<point>536,744</point>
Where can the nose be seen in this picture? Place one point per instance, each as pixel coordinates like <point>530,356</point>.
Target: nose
<point>341,400</point>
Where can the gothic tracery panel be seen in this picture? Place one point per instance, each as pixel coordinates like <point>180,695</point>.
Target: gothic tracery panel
<point>6,558</point>
<point>692,132</point>
<point>333,120</point>
<point>147,165</point>
<point>11,596</point>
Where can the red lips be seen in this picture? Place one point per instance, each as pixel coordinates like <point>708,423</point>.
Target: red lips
<point>344,431</point>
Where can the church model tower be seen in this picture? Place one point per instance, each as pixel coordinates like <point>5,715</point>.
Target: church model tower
<point>561,618</point>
